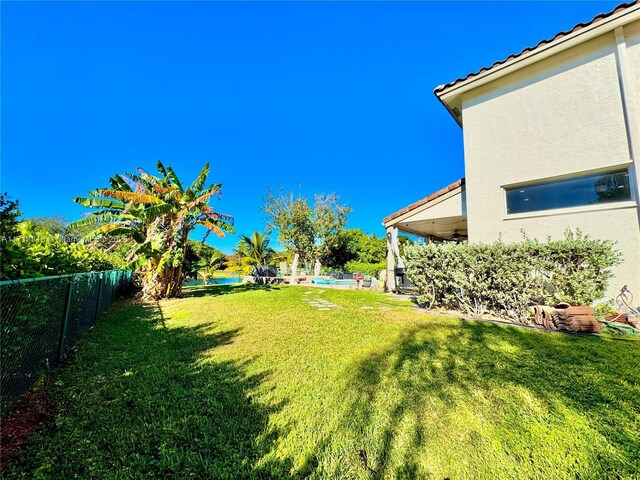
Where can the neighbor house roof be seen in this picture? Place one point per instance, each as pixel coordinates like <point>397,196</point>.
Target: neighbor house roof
<point>559,38</point>
<point>425,200</point>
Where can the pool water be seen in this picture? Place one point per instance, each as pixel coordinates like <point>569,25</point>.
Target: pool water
<point>332,281</point>
<point>215,281</point>
<point>225,280</point>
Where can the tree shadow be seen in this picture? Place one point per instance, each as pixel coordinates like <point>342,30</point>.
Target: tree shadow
<point>590,378</point>
<point>145,401</point>
<point>217,290</point>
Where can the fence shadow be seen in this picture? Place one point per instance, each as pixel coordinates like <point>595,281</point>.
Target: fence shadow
<point>217,290</point>
<point>145,401</point>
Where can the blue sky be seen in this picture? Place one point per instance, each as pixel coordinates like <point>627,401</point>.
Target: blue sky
<point>312,96</point>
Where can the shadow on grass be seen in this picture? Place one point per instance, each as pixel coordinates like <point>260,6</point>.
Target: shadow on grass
<point>595,379</point>
<point>145,401</point>
<point>216,290</point>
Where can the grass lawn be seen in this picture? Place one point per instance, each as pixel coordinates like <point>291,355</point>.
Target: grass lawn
<point>252,382</point>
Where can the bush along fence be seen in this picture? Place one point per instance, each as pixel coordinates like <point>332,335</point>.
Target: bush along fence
<point>41,319</point>
<point>506,279</point>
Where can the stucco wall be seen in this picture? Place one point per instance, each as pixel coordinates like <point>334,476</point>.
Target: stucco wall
<point>632,39</point>
<point>559,116</point>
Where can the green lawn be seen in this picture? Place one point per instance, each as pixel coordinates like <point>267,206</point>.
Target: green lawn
<point>239,382</point>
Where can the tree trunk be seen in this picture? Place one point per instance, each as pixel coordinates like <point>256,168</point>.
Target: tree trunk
<point>164,284</point>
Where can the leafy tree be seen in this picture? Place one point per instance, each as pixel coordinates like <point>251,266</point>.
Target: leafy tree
<point>30,248</point>
<point>239,264</point>
<point>202,259</point>
<point>157,214</point>
<point>353,245</point>
<point>55,224</point>
<point>9,253</point>
<point>303,228</point>
<point>403,242</point>
<point>9,215</point>
<point>256,248</point>
<point>337,251</point>
<point>37,253</point>
<point>217,261</point>
<point>59,225</point>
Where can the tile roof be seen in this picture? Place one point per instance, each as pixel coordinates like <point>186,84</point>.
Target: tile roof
<point>427,199</point>
<point>559,35</point>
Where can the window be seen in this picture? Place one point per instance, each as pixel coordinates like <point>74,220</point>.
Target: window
<point>604,187</point>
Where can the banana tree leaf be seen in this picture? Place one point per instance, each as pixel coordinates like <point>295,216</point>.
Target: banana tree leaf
<point>174,178</point>
<point>119,183</point>
<point>131,197</point>
<point>99,202</point>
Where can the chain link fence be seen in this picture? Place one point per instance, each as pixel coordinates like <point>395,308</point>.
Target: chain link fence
<point>42,318</point>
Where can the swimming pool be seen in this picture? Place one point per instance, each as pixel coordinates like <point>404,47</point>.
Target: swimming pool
<point>332,281</point>
<point>215,281</point>
<point>225,280</point>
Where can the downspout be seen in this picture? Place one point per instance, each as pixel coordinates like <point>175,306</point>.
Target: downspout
<point>630,112</point>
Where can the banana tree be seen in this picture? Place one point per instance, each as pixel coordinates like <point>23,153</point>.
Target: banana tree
<point>158,214</point>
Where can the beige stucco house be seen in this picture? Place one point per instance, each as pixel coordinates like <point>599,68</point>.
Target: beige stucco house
<point>551,141</point>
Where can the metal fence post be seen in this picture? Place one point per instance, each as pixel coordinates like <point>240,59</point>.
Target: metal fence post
<point>65,320</point>
<point>33,311</point>
<point>95,315</point>
<point>113,280</point>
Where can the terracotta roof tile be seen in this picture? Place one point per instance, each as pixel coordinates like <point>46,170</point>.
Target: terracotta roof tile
<point>559,35</point>
<point>427,199</point>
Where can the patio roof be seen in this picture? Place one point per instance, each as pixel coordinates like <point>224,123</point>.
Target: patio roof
<point>424,201</point>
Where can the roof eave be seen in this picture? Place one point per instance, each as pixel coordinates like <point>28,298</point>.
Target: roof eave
<point>457,118</point>
<point>449,92</point>
<point>423,203</point>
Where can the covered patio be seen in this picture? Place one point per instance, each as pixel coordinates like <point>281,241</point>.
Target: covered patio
<point>439,217</point>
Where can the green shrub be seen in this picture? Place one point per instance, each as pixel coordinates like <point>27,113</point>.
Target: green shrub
<point>39,253</point>
<point>372,269</point>
<point>505,279</point>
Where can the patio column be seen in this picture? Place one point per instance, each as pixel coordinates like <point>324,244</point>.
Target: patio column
<point>390,283</point>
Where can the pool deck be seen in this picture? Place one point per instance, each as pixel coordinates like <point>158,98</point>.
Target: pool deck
<point>306,281</point>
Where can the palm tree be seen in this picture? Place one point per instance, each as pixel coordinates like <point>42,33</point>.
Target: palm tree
<point>256,248</point>
<point>217,261</point>
<point>158,214</point>
<point>207,266</point>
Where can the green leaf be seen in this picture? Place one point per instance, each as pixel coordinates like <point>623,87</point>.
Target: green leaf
<point>99,202</point>
<point>174,178</point>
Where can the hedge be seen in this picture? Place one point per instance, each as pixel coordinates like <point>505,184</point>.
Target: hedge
<point>372,269</point>
<point>505,279</point>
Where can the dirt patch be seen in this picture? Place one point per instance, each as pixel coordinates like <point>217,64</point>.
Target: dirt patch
<point>32,411</point>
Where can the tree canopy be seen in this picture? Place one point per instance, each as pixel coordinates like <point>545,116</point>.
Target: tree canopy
<point>29,249</point>
<point>157,213</point>
<point>256,248</point>
<point>352,245</point>
<point>301,227</point>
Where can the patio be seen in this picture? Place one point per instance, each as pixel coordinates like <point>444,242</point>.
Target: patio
<point>441,216</point>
